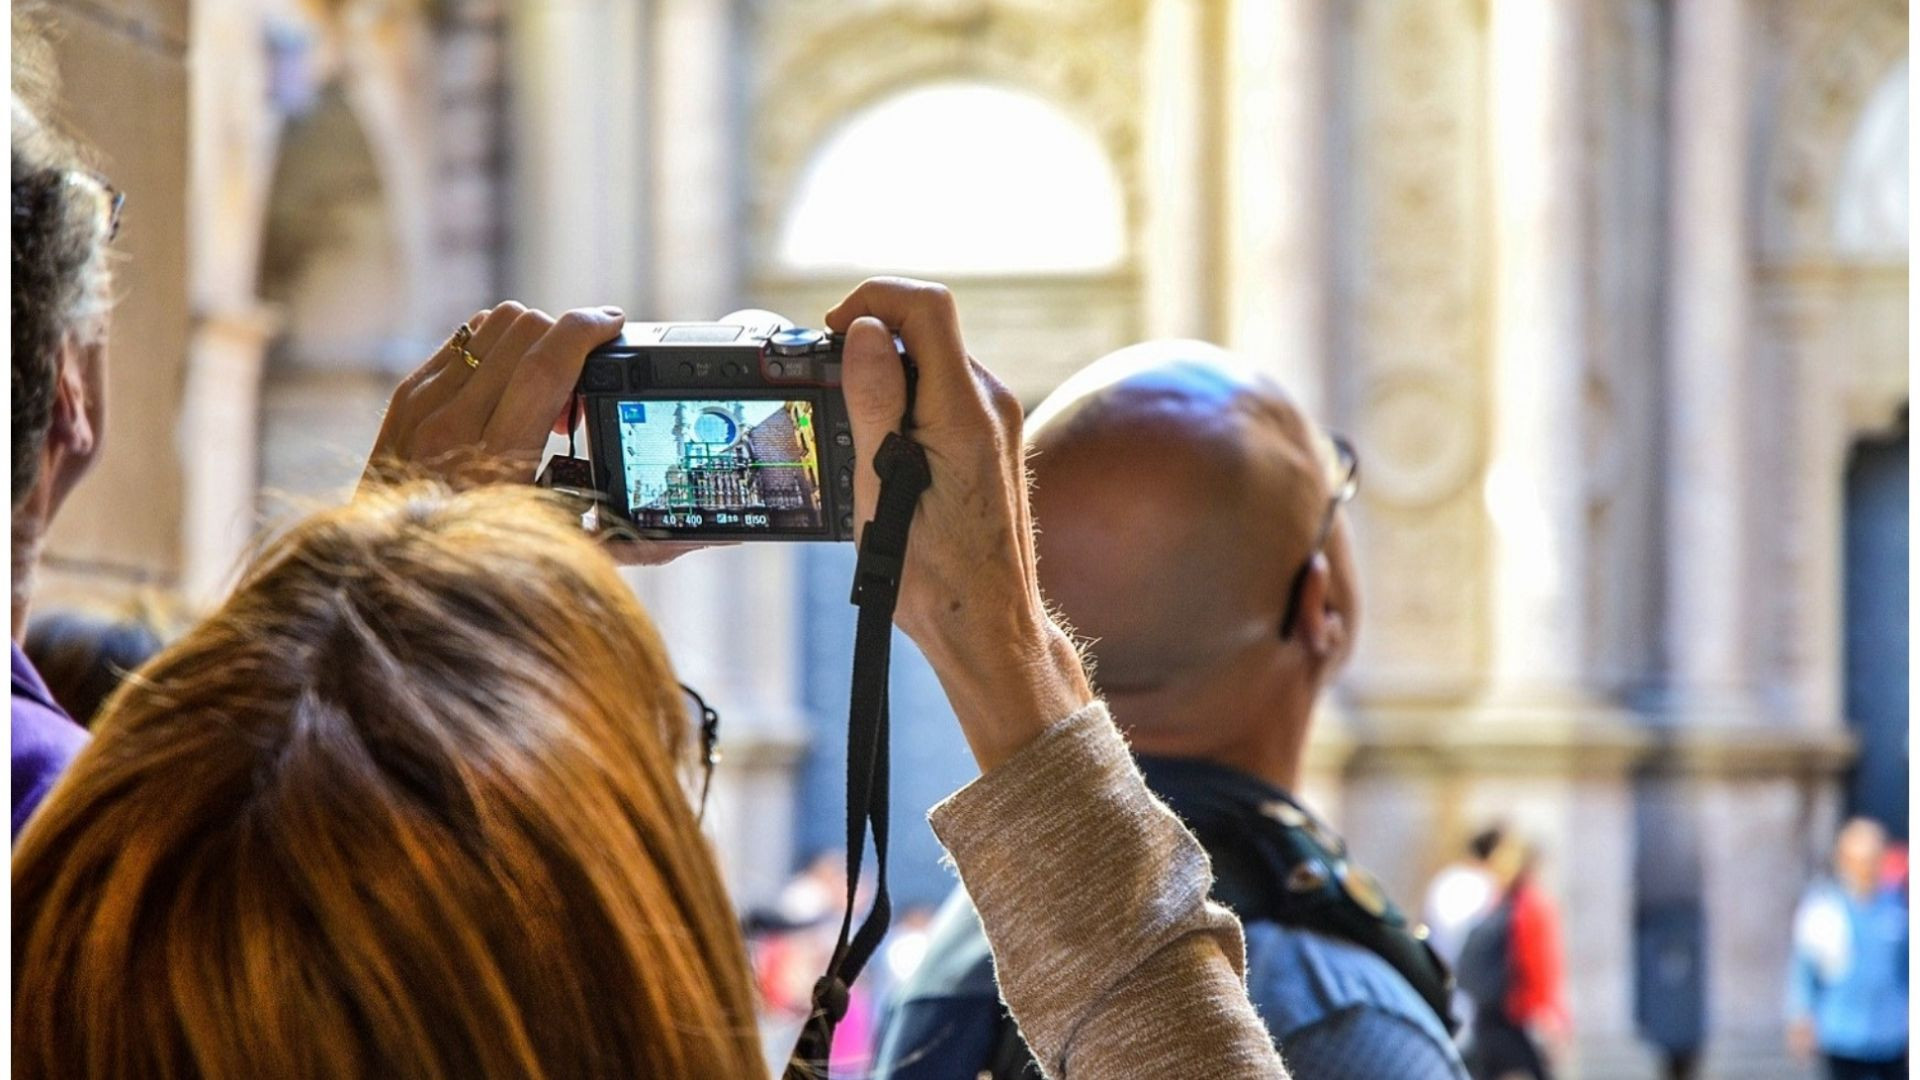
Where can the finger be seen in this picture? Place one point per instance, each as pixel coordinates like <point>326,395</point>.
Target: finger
<point>443,373</point>
<point>489,329</point>
<point>929,324</point>
<point>479,396</point>
<point>875,386</point>
<point>439,358</point>
<point>491,326</point>
<point>543,381</point>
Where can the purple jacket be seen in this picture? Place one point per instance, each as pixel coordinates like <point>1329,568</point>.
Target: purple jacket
<point>45,739</point>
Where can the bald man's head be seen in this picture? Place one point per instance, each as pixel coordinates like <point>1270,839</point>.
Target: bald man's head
<point>1176,492</point>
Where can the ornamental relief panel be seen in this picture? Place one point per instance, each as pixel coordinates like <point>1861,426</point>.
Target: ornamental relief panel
<point>1415,308</point>
<point>1827,60</point>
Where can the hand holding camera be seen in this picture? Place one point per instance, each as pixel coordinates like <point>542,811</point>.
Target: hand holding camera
<point>968,594</point>
<point>697,439</point>
<point>481,406</point>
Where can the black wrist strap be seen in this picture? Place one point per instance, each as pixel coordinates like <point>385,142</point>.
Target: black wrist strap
<point>902,466</point>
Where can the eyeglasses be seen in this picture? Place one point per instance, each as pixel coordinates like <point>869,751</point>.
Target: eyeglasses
<point>1343,479</point>
<point>709,742</point>
<point>116,199</point>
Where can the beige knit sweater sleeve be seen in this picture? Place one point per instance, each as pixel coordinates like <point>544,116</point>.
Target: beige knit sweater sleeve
<point>1094,900</point>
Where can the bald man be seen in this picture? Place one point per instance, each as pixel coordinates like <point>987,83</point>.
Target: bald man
<point>1190,532</point>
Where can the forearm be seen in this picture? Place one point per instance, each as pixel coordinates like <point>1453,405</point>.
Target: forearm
<point>1007,687</point>
<point>1094,899</point>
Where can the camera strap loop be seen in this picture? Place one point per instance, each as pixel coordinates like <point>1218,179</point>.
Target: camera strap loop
<point>902,465</point>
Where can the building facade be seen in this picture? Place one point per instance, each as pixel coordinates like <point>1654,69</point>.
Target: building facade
<point>1610,295</point>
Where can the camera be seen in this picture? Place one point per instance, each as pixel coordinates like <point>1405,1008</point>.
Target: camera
<point>721,431</point>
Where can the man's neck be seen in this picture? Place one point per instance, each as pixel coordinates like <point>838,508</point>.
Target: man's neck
<point>1270,747</point>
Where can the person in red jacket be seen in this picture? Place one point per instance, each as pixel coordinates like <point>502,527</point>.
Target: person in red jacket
<point>1532,1026</point>
<point>1537,1000</point>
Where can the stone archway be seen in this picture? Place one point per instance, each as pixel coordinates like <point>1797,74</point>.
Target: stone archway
<point>331,265</point>
<point>821,69</point>
<point>283,53</point>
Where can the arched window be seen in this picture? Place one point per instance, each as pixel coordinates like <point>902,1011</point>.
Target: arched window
<point>1870,208</point>
<point>958,178</point>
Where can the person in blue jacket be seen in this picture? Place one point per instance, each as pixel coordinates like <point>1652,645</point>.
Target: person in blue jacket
<point>1847,985</point>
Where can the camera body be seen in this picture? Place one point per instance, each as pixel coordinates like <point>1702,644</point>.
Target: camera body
<point>719,431</point>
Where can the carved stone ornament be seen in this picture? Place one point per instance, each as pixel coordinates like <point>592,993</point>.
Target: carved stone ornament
<point>1835,54</point>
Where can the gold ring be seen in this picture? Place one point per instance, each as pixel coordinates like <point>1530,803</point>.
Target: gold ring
<point>461,335</point>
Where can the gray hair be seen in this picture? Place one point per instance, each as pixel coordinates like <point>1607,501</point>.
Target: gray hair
<point>62,266</point>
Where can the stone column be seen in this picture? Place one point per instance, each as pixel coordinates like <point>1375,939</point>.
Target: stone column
<point>1279,264</point>
<point>219,445</point>
<point>696,202</point>
<point>579,170</point>
<point>1179,156</point>
<point>1535,494</point>
<point>1707,360</point>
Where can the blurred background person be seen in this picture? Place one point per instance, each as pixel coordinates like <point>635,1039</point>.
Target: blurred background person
<point>83,655</point>
<point>1513,967</point>
<point>1847,992</point>
<point>1459,896</point>
<point>790,943</point>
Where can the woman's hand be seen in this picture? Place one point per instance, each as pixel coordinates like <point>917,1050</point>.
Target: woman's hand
<point>968,594</point>
<point>486,424</point>
<point>468,424</point>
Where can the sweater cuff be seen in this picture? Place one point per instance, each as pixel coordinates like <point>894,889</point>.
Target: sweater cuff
<point>1084,744</point>
<point>1078,872</point>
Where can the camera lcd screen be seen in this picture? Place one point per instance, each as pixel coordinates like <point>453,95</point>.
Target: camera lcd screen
<point>721,465</point>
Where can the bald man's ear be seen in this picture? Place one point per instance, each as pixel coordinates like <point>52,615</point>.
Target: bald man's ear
<point>1322,628</point>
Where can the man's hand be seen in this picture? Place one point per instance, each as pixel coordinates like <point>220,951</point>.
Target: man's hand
<point>468,424</point>
<point>968,594</point>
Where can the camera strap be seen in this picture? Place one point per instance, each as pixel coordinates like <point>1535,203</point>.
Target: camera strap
<point>902,465</point>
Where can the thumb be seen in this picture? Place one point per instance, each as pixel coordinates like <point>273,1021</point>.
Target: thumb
<point>875,385</point>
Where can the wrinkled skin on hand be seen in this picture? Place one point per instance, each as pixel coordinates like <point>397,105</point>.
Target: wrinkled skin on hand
<point>969,596</point>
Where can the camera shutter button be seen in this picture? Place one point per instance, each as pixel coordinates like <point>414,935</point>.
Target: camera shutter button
<point>795,341</point>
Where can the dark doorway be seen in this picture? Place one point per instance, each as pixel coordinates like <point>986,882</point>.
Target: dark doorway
<point>1876,627</point>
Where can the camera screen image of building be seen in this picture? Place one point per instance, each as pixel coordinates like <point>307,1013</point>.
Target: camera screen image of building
<point>699,464</point>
